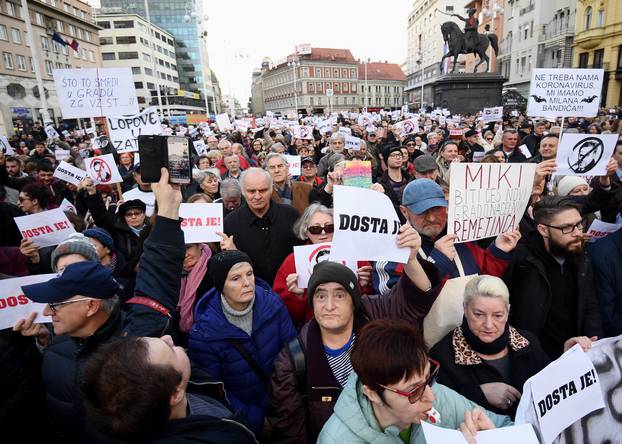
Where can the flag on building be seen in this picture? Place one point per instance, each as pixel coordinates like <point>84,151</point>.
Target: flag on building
<point>74,45</point>
<point>58,39</point>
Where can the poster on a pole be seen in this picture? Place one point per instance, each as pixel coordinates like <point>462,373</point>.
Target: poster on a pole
<point>103,170</point>
<point>585,154</point>
<point>565,92</point>
<point>487,199</point>
<point>124,131</point>
<point>95,92</point>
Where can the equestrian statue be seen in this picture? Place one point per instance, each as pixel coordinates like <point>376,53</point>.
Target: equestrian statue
<point>469,41</point>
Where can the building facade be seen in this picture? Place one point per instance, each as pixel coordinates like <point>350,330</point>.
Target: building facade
<point>126,40</point>
<point>325,79</point>
<point>381,86</point>
<point>426,46</point>
<point>490,17</point>
<point>556,34</point>
<point>598,44</point>
<point>19,94</point>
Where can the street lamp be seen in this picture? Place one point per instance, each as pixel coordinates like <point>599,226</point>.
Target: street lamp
<point>193,15</point>
<point>294,63</point>
<point>366,87</point>
<point>155,65</point>
<point>420,61</point>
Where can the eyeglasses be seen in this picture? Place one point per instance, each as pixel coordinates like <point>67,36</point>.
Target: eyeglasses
<point>415,394</point>
<point>566,229</point>
<point>54,305</point>
<point>133,213</point>
<point>21,199</point>
<point>396,155</point>
<point>316,229</point>
<point>410,144</point>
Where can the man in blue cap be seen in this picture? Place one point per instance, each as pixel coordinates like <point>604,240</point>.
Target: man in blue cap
<point>424,206</point>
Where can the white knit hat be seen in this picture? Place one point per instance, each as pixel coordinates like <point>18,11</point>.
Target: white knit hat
<point>568,183</point>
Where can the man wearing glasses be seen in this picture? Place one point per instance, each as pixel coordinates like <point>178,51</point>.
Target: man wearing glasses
<point>388,397</point>
<point>551,280</point>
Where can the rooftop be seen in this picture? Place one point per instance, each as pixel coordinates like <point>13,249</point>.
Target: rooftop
<point>381,71</point>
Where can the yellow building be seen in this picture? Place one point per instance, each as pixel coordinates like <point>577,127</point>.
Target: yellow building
<point>598,44</point>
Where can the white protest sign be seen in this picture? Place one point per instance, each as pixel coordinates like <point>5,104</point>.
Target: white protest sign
<point>353,143</point>
<point>92,92</point>
<point>15,306</point>
<point>69,173</point>
<point>5,146</point>
<point>182,131</point>
<point>408,126</point>
<point>525,150</point>
<point>487,199</point>
<point>62,154</point>
<point>492,114</point>
<point>308,256</point>
<point>199,146</point>
<point>518,434</point>
<point>124,131</point>
<point>46,228</point>
<point>294,164</point>
<point>201,221</point>
<point>65,205</point>
<point>600,229</point>
<point>242,125</point>
<point>51,132</point>
<point>303,132</point>
<point>366,226</point>
<point>584,154</point>
<point>148,198</point>
<point>222,120</point>
<point>345,131</point>
<point>565,92</point>
<point>103,169</point>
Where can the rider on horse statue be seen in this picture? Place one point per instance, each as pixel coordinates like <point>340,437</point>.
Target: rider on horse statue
<point>471,36</point>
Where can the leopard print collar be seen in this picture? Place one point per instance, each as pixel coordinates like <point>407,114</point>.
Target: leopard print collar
<point>465,355</point>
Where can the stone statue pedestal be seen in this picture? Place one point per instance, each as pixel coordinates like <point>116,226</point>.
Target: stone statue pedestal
<point>468,93</point>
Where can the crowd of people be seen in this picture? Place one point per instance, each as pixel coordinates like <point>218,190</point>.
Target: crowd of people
<point>151,339</point>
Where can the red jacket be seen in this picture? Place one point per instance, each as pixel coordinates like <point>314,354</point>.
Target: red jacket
<point>244,165</point>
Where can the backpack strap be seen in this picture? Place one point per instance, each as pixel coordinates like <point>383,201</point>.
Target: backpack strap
<point>249,359</point>
<point>297,355</point>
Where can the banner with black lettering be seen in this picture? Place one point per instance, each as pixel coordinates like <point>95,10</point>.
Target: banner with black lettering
<point>124,131</point>
<point>366,226</point>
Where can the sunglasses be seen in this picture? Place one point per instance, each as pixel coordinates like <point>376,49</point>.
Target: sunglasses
<point>316,229</point>
<point>410,144</point>
<point>415,394</point>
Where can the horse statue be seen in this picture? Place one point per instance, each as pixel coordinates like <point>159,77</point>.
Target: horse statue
<point>454,37</point>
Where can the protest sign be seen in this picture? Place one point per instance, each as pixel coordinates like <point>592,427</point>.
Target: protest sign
<point>65,205</point>
<point>222,120</point>
<point>148,198</point>
<point>408,126</point>
<point>565,92</point>
<point>488,199</point>
<point>600,229</point>
<point>92,92</point>
<point>518,434</point>
<point>353,143</point>
<point>364,219</point>
<point>303,132</point>
<point>200,147</point>
<point>345,131</point>
<point>5,146</point>
<point>456,133</point>
<point>124,131</point>
<point>294,164</point>
<point>51,132</point>
<point>364,120</point>
<point>357,173</point>
<point>525,150</point>
<point>308,256</point>
<point>241,125</point>
<point>103,169</point>
<point>45,229</point>
<point>69,173</point>
<point>584,154</point>
<point>62,154</point>
<point>15,306</point>
<point>492,114</point>
<point>201,221</point>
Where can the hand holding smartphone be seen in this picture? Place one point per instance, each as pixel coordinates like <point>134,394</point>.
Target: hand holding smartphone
<point>172,153</point>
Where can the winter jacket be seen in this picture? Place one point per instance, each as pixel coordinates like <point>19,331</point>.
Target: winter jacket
<point>13,262</point>
<point>210,348</point>
<point>464,371</point>
<point>300,195</point>
<point>354,421</point>
<point>606,256</point>
<point>299,409</point>
<point>203,429</point>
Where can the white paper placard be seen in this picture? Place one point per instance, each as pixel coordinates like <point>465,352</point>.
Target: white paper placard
<point>15,306</point>
<point>6,147</point>
<point>103,169</point>
<point>525,150</point>
<point>124,130</point>
<point>93,92</point>
<point>600,229</point>
<point>201,221</point>
<point>303,132</point>
<point>492,114</point>
<point>65,205</point>
<point>69,173</point>
<point>519,434</point>
<point>199,146</point>
<point>62,154</point>
<point>45,229</point>
<point>222,120</point>
<point>307,257</point>
<point>51,132</point>
<point>353,143</point>
<point>294,164</point>
<point>584,154</point>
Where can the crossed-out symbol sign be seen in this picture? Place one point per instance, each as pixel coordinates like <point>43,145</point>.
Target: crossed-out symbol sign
<point>103,173</point>
<point>409,127</point>
<point>586,154</point>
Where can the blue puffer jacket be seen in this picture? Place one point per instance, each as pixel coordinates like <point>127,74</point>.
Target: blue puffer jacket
<point>208,347</point>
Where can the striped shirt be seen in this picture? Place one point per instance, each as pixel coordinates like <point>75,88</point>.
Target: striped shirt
<point>339,360</point>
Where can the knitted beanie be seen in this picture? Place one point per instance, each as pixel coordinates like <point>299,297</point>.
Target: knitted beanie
<point>219,265</point>
<point>328,271</point>
<point>76,243</point>
<point>568,183</point>
<point>101,235</point>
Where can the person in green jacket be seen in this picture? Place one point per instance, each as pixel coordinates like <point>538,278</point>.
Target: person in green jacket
<point>392,389</point>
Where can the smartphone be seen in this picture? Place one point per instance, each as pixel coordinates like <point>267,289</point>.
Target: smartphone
<point>178,160</point>
<point>153,156</point>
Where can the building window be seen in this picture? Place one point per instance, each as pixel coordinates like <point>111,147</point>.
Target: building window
<point>45,43</point>
<point>318,72</point>
<point>32,65</point>
<point>148,71</point>
<point>125,40</point>
<point>72,30</point>
<point>108,56</point>
<point>583,59</point>
<point>128,55</point>
<point>336,87</point>
<point>48,67</point>
<point>599,55</point>
<point>600,18</point>
<point>136,70</point>
<point>336,73</point>
<point>138,85</point>
<point>10,9</point>
<point>38,19</point>
<point>76,12</point>
<point>344,87</point>
<point>105,25</point>
<point>66,7</point>
<point>87,34</point>
<point>326,72</point>
<point>3,33</point>
<point>80,33</point>
<point>310,88</point>
<point>8,60</point>
<point>91,56</point>
<point>124,24</point>
<point>150,86</point>
<point>344,73</point>
<point>105,41</point>
<point>588,18</point>
<point>619,58</point>
<point>60,26</point>
<point>146,57</point>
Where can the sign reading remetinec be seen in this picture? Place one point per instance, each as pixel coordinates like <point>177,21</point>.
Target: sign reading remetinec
<point>487,199</point>
<point>565,92</point>
<point>124,131</point>
<point>93,92</point>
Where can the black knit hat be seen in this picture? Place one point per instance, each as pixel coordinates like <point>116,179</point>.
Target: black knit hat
<point>328,271</point>
<point>219,265</point>
<point>386,152</point>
